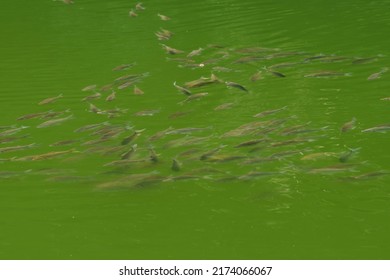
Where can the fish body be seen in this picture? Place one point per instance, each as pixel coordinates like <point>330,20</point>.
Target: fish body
<point>348,125</point>
<point>50,100</point>
<point>111,97</point>
<point>54,122</point>
<point>182,89</point>
<point>269,112</point>
<point>162,17</point>
<point>12,131</point>
<point>236,85</point>
<point>380,128</point>
<point>16,148</point>
<point>92,96</point>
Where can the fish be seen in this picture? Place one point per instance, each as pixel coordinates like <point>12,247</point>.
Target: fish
<point>224,158</point>
<point>17,148</point>
<point>162,17</point>
<point>255,50</point>
<point>12,139</point>
<point>344,157</point>
<point>386,99</point>
<point>326,74</point>
<point>377,75</point>
<point>52,114</point>
<point>63,143</point>
<point>380,128</point>
<point>50,100</point>
<point>160,134</point>
<point>123,66</point>
<point>137,91</point>
<point>320,155</point>
<point>96,95</point>
<point>369,175</point>
<point>193,97</point>
<point>235,85</point>
<point>170,50</point>
<point>124,162</point>
<point>176,165</point>
<point>209,154</point>
<point>106,87</point>
<point>131,77</point>
<point>90,127</point>
<point>178,114</point>
<point>111,97</point>
<point>182,89</point>
<point>89,88</point>
<point>283,65</point>
<point>364,60</point>
<point>185,141</point>
<point>251,143</point>
<point>32,116</point>
<point>348,125</point>
<point>275,73</point>
<point>94,109</point>
<point>186,130</point>
<point>147,113</point>
<point>223,106</point>
<point>129,153</point>
<point>54,122</point>
<point>46,156</point>
<point>247,59</point>
<point>132,13</point>
<point>139,6</point>
<point>202,81</point>
<point>132,137</point>
<point>269,112</point>
<point>153,156</point>
<point>255,174</point>
<point>195,52</point>
<point>257,76</point>
<point>331,169</point>
<point>12,131</point>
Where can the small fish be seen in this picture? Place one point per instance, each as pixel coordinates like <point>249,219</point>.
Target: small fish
<point>50,100</point>
<point>378,74</point>
<point>94,109</point>
<point>160,134</point>
<point>224,106</point>
<point>96,95</point>
<point>257,76</point>
<point>344,157</point>
<point>54,122</point>
<point>250,143</point>
<point>31,116</point>
<point>170,50</point>
<point>233,84</point>
<point>380,128</point>
<point>89,88</point>
<point>132,137</point>
<point>316,156</point>
<point>52,114</point>
<point>193,97</point>
<point>139,7</point>
<point>90,127</point>
<point>331,169</point>
<point>147,113</point>
<point>369,175</point>
<point>255,174</point>
<point>195,52</point>
<point>137,91</point>
<point>63,143</point>
<point>162,17</point>
<point>49,155</point>
<point>153,156</point>
<point>132,13</point>
<point>16,148</point>
<point>364,60</point>
<point>269,112</point>
<point>386,99</point>
<point>326,74</point>
<point>186,130</point>
<point>275,73</point>
<point>129,153</point>
<point>111,97</point>
<point>12,131</point>
<point>182,89</point>
<point>209,154</point>
<point>123,67</point>
<point>176,165</point>
<point>348,125</point>
<point>178,114</point>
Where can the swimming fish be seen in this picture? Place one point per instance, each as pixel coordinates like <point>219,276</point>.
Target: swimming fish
<point>50,100</point>
<point>162,17</point>
<point>235,85</point>
<point>54,122</point>
<point>348,125</point>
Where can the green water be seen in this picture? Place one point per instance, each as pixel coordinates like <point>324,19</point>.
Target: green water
<point>308,204</point>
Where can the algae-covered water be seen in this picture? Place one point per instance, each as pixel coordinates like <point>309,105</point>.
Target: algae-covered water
<point>194,130</point>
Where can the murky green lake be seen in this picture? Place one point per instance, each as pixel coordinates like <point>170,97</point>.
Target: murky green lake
<point>274,143</point>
